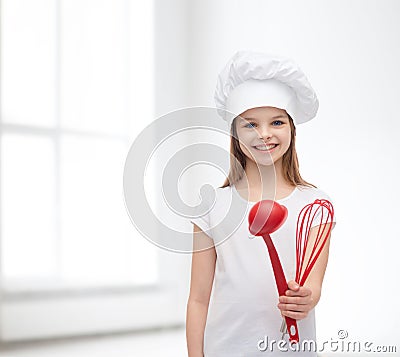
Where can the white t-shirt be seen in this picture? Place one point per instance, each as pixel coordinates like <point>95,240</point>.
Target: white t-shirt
<point>243,305</point>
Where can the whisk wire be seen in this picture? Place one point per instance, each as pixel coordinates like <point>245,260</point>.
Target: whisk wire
<point>304,221</point>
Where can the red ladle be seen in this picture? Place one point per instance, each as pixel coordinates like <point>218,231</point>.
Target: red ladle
<point>266,217</point>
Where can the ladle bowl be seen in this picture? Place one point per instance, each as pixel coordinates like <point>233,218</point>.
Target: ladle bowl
<point>266,216</point>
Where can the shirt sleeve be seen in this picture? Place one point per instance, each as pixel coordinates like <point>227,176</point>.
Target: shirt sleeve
<point>202,221</point>
<point>202,218</point>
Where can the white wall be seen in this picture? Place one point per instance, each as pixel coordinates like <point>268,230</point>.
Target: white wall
<point>349,50</point>
<point>171,53</point>
<point>171,93</point>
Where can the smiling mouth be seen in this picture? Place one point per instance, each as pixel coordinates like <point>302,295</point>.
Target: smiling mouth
<point>265,147</point>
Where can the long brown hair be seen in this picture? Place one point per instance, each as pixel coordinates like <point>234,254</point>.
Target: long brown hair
<point>290,162</point>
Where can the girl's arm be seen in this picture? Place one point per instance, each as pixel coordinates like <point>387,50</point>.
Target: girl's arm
<point>299,300</point>
<point>202,276</point>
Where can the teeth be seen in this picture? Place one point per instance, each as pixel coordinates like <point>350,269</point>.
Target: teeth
<point>265,148</point>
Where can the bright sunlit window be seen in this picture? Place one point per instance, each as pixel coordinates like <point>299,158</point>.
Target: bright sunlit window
<point>69,88</point>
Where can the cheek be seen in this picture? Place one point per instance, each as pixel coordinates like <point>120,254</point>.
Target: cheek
<point>247,137</point>
<point>245,140</point>
<point>245,148</point>
<point>287,139</point>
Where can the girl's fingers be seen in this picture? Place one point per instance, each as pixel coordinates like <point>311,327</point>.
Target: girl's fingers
<point>303,291</point>
<point>294,307</point>
<point>298,300</point>
<point>295,315</point>
<point>292,285</point>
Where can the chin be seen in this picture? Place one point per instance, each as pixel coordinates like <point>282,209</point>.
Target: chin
<point>266,164</point>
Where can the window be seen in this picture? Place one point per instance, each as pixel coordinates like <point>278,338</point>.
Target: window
<point>70,94</point>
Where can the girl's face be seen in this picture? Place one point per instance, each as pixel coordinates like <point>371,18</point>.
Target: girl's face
<point>264,134</point>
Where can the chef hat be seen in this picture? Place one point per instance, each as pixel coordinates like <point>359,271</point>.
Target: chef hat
<point>251,80</point>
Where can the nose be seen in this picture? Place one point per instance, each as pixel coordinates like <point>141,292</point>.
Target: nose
<point>264,133</point>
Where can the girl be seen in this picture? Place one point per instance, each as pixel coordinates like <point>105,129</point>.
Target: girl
<point>233,307</point>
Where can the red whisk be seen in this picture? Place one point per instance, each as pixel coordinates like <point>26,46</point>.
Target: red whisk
<point>306,258</point>
<point>304,221</point>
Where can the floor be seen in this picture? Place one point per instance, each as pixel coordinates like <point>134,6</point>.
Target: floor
<point>166,343</point>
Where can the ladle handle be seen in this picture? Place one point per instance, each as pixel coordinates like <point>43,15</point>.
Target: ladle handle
<point>281,284</point>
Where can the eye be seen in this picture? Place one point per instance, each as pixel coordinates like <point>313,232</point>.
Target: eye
<point>249,125</point>
<point>280,122</point>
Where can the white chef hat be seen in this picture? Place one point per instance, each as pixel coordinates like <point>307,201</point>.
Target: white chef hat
<point>251,80</point>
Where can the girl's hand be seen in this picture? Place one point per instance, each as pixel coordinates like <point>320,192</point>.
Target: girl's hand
<point>297,302</point>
